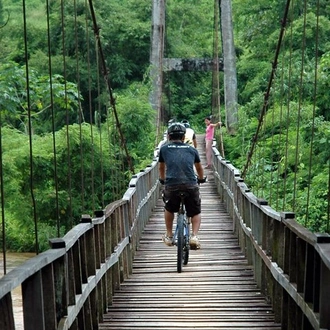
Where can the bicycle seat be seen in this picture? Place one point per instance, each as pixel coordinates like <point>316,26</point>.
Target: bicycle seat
<point>183,194</point>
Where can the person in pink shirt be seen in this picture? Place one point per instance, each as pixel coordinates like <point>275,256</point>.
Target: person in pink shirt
<point>209,134</point>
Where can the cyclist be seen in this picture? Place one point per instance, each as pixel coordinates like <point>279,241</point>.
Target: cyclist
<point>176,171</point>
<point>190,136</point>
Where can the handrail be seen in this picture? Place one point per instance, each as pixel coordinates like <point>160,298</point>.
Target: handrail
<point>291,264</point>
<point>70,285</point>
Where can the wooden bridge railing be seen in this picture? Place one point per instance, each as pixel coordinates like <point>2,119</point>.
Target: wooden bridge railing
<point>70,285</point>
<point>291,264</point>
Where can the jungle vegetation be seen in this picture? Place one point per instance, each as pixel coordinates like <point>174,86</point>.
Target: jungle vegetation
<point>76,107</point>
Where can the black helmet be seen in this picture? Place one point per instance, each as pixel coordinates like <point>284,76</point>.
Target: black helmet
<point>176,129</point>
<point>185,123</point>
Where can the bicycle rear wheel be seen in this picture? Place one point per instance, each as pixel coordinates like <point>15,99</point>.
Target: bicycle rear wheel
<point>180,242</point>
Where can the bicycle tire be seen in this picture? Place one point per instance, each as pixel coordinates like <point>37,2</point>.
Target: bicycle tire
<point>186,247</point>
<point>180,242</point>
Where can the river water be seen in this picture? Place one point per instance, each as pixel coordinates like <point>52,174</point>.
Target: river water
<point>13,260</point>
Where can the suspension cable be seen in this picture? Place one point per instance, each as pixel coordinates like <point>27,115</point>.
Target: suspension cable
<point>267,94</point>
<point>80,112</point>
<point>27,76</point>
<point>98,121</point>
<point>303,48</point>
<point>280,135</point>
<point>91,117</point>
<point>215,71</point>
<point>314,112</point>
<point>52,119</point>
<point>286,154</point>
<point>328,198</point>
<point>3,219</point>
<point>108,85</point>
<point>67,115</point>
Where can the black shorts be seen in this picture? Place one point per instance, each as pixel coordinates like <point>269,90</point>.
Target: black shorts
<point>192,202</point>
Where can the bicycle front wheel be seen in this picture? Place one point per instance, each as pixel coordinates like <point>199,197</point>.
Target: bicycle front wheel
<point>186,246</point>
<point>180,243</point>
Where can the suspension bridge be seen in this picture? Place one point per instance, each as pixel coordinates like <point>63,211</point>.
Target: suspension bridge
<point>258,268</point>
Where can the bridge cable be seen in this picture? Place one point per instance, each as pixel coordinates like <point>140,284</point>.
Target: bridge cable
<point>280,135</point>
<point>108,84</point>
<point>98,122</point>
<point>215,71</point>
<point>67,116</point>
<point>267,94</point>
<point>28,96</point>
<point>81,118</point>
<point>3,218</point>
<point>168,75</point>
<point>301,88</point>
<point>314,113</point>
<point>90,107</point>
<point>328,199</point>
<point>286,153</point>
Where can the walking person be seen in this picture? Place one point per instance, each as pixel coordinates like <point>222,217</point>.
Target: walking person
<point>209,135</point>
<point>176,171</point>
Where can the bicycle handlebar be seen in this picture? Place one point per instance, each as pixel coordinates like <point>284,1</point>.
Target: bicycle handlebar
<point>199,181</point>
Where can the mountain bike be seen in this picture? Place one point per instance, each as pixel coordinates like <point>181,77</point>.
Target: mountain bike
<point>182,234</point>
<point>182,231</point>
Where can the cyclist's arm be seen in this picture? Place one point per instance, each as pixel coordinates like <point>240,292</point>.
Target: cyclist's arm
<point>161,168</point>
<point>195,141</point>
<point>199,170</point>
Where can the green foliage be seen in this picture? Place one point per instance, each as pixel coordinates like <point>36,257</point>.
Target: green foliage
<point>63,187</point>
<point>323,99</point>
<point>128,44</point>
<point>47,99</point>
<point>137,118</point>
<point>82,169</point>
<point>290,162</point>
<point>189,34</point>
<point>185,38</point>
<point>189,97</point>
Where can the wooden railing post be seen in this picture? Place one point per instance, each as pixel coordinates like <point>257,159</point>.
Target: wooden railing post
<point>33,303</point>
<point>6,311</point>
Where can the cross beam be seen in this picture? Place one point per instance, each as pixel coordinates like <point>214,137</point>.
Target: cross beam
<point>192,64</point>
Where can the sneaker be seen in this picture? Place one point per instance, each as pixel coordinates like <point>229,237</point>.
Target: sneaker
<point>167,240</point>
<point>194,242</point>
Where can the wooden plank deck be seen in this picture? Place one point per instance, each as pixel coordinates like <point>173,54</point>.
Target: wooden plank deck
<point>216,290</point>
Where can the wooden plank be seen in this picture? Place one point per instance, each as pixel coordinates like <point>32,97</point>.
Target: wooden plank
<point>216,290</point>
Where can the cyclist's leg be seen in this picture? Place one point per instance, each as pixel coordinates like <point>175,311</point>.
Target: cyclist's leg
<point>195,224</point>
<point>193,206</point>
<point>169,217</point>
<point>194,239</point>
<point>171,206</point>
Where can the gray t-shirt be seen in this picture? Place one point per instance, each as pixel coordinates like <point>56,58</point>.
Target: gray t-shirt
<point>179,159</point>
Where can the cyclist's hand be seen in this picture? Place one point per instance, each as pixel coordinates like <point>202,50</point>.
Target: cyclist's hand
<point>202,180</point>
<point>161,181</point>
